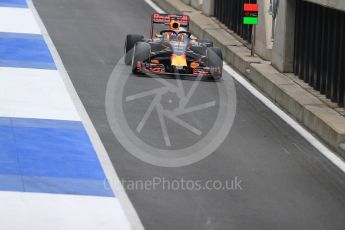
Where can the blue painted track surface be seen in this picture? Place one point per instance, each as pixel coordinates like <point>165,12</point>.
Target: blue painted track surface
<point>49,156</point>
<point>38,155</point>
<point>13,3</point>
<point>25,51</point>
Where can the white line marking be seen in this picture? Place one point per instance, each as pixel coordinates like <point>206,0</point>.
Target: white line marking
<point>155,7</point>
<point>35,93</point>
<point>334,158</point>
<point>290,121</point>
<point>24,210</point>
<point>18,20</point>
<point>102,154</point>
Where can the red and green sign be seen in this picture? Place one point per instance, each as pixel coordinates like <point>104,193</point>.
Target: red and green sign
<point>251,12</point>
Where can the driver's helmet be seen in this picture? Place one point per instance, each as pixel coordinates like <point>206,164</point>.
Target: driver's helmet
<point>174,25</point>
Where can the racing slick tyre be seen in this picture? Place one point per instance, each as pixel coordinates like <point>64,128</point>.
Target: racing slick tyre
<point>215,61</point>
<point>141,53</point>
<point>131,39</point>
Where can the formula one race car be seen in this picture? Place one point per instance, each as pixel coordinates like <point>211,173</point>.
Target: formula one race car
<point>173,51</point>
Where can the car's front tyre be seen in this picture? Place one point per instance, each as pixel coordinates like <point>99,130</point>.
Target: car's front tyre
<point>141,53</point>
<point>215,62</point>
<point>131,40</point>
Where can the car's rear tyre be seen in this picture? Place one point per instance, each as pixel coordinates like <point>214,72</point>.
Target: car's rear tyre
<point>215,61</point>
<point>141,53</point>
<point>131,40</point>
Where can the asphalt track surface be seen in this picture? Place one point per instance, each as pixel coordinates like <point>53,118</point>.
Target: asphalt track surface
<point>286,183</point>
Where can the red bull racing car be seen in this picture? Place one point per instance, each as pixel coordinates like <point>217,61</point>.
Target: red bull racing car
<point>173,50</point>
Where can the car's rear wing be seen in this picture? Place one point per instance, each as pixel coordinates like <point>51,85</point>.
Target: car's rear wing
<point>165,19</point>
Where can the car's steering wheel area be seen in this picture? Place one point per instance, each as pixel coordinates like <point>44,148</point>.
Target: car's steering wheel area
<point>176,32</point>
<point>185,32</point>
<point>168,31</point>
<point>173,33</point>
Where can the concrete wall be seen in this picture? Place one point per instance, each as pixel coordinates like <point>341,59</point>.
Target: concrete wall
<point>208,7</point>
<point>197,4</point>
<point>281,51</point>
<point>283,46</point>
<point>263,41</point>
<point>336,4</point>
<point>186,1</point>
